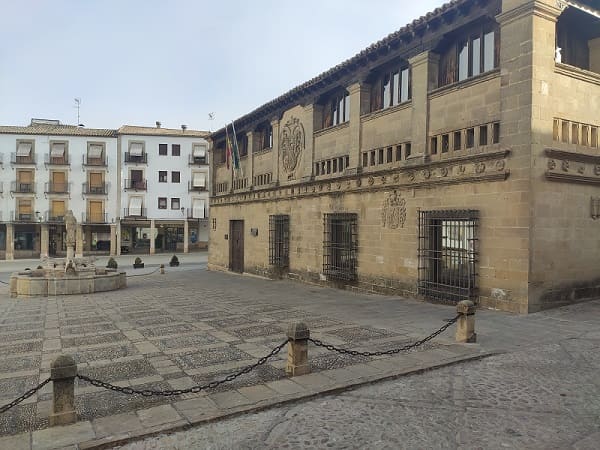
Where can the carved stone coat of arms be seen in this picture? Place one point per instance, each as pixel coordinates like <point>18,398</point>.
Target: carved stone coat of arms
<point>292,144</point>
<point>393,213</point>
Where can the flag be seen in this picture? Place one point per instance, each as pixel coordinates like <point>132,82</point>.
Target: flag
<point>227,147</point>
<point>237,168</point>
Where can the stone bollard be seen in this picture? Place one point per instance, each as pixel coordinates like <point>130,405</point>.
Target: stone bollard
<point>465,325</point>
<point>297,360</point>
<point>162,269</point>
<point>62,372</point>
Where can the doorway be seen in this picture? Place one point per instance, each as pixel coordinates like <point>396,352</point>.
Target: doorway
<point>236,246</point>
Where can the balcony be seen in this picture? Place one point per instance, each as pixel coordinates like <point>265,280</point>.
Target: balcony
<point>52,217</point>
<point>20,216</point>
<point>17,187</point>
<point>95,162</point>
<point>94,217</point>
<point>57,188</point>
<point>135,185</point>
<point>197,160</point>
<point>29,160</point>
<point>134,212</point>
<point>56,160</point>
<point>192,188</point>
<point>193,213</point>
<point>136,159</point>
<point>95,189</point>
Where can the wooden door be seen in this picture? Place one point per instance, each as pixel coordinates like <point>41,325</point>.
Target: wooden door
<point>236,245</point>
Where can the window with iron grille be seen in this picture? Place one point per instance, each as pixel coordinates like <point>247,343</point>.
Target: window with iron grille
<point>448,254</point>
<point>279,240</point>
<point>340,246</point>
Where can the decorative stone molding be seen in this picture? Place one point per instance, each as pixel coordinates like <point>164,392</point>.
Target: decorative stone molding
<point>292,144</point>
<point>572,167</point>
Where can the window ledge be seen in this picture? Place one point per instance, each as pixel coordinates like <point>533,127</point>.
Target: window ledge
<point>576,72</point>
<point>332,129</point>
<point>465,83</point>
<point>386,111</point>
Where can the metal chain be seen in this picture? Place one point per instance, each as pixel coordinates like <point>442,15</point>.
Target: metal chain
<point>194,389</point>
<point>407,347</point>
<point>144,274</point>
<point>3,282</point>
<point>26,395</point>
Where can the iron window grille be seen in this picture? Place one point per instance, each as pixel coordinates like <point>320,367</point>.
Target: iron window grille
<point>448,253</point>
<point>279,240</point>
<point>340,246</point>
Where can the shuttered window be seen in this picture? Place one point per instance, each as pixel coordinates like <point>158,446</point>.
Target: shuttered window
<point>24,149</point>
<point>135,206</point>
<point>136,149</point>
<point>58,209</point>
<point>198,208</point>
<point>95,151</point>
<point>199,151</point>
<point>199,180</point>
<point>57,150</point>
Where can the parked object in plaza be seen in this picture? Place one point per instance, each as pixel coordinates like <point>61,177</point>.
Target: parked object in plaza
<point>138,263</point>
<point>174,261</point>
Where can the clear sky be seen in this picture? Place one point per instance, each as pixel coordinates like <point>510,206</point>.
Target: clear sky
<point>176,61</point>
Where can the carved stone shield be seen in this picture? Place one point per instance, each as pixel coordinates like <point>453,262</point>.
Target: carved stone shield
<point>292,144</point>
<point>393,213</point>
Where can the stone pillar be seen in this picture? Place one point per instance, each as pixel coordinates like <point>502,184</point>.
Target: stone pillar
<point>425,72</point>
<point>594,45</point>
<point>118,235</point>
<point>186,237</point>
<point>152,240</point>
<point>297,360</point>
<point>275,152</point>
<point>250,167</point>
<point>79,241</point>
<point>113,239</point>
<point>359,93</point>
<point>62,372</point>
<point>465,325</point>
<point>44,240</point>
<point>10,241</point>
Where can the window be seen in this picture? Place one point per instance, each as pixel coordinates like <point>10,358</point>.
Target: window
<point>95,212</point>
<point>457,140</point>
<point>576,32</point>
<point>340,246</point>
<point>336,110</point>
<point>470,137</point>
<point>264,133</point>
<point>163,149</point>
<point>175,150</point>
<point>57,210</point>
<point>198,208</point>
<point>445,143</point>
<point>136,149</point>
<point>95,153</point>
<point>174,203</point>
<point>483,135</point>
<point>448,254</point>
<point>391,88</point>
<point>279,240</point>
<point>162,176</point>
<point>162,202</point>
<point>199,153</point>
<point>474,53</point>
<point>243,145</point>
<point>175,177</point>
<point>199,180</point>
<point>135,207</point>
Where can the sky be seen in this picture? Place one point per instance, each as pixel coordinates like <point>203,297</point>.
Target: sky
<point>136,62</point>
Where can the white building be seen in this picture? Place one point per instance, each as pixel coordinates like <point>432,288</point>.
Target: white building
<point>164,189</point>
<point>123,186</point>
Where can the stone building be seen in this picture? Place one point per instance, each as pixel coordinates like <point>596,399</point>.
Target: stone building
<point>457,158</point>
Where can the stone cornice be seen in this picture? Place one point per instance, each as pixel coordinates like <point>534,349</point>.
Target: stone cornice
<point>571,156</point>
<point>572,167</point>
<point>576,72</point>
<point>534,8</point>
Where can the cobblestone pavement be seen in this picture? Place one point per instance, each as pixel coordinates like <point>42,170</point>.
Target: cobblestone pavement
<point>544,397</point>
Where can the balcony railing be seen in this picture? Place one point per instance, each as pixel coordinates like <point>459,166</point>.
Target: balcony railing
<point>95,189</point>
<point>56,161</point>
<point>22,188</point>
<point>196,215</point>
<point>191,187</point>
<point>136,185</point>
<point>57,188</point>
<point>18,216</point>
<point>140,159</point>
<point>94,217</point>
<point>29,159</point>
<point>134,212</point>
<point>95,162</point>
<point>197,160</point>
<point>54,217</point>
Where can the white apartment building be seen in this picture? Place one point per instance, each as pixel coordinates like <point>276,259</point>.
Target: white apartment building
<point>164,189</point>
<point>120,185</point>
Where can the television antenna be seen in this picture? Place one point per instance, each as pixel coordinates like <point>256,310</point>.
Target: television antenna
<point>77,105</point>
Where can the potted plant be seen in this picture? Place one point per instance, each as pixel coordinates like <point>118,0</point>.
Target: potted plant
<point>111,264</point>
<point>174,261</point>
<point>138,264</point>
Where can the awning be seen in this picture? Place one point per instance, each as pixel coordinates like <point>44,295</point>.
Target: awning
<point>199,151</point>
<point>136,149</point>
<point>198,208</point>
<point>95,151</point>
<point>24,149</point>
<point>199,179</point>
<point>135,206</point>
<point>58,150</point>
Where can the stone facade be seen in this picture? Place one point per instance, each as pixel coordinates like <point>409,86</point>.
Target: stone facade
<point>477,186</point>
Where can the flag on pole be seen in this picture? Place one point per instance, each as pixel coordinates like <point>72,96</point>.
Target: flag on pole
<point>237,168</point>
<point>227,148</point>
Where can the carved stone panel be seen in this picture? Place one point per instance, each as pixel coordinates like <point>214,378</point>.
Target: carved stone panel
<point>393,212</point>
<point>292,144</point>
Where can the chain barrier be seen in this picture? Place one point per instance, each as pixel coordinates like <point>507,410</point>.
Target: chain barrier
<point>26,395</point>
<point>3,282</point>
<point>405,348</point>
<point>194,389</point>
<point>144,274</point>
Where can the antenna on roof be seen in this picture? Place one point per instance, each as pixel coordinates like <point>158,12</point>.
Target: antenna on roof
<point>77,105</point>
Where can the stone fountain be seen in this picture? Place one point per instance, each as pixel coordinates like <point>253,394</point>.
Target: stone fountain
<point>66,276</point>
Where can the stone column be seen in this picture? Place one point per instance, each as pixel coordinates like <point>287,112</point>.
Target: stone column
<point>275,152</point>
<point>425,71</point>
<point>152,240</point>
<point>79,241</point>
<point>308,156</point>
<point>250,166</point>
<point>297,360</point>
<point>44,240</point>
<point>113,239</point>
<point>359,105</point>
<point>62,372</point>
<point>10,241</point>
<point>186,237</point>
<point>465,326</point>
<point>118,231</point>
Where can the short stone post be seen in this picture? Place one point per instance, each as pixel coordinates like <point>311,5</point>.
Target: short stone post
<point>297,360</point>
<point>62,372</point>
<point>465,325</point>
<point>162,269</point>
